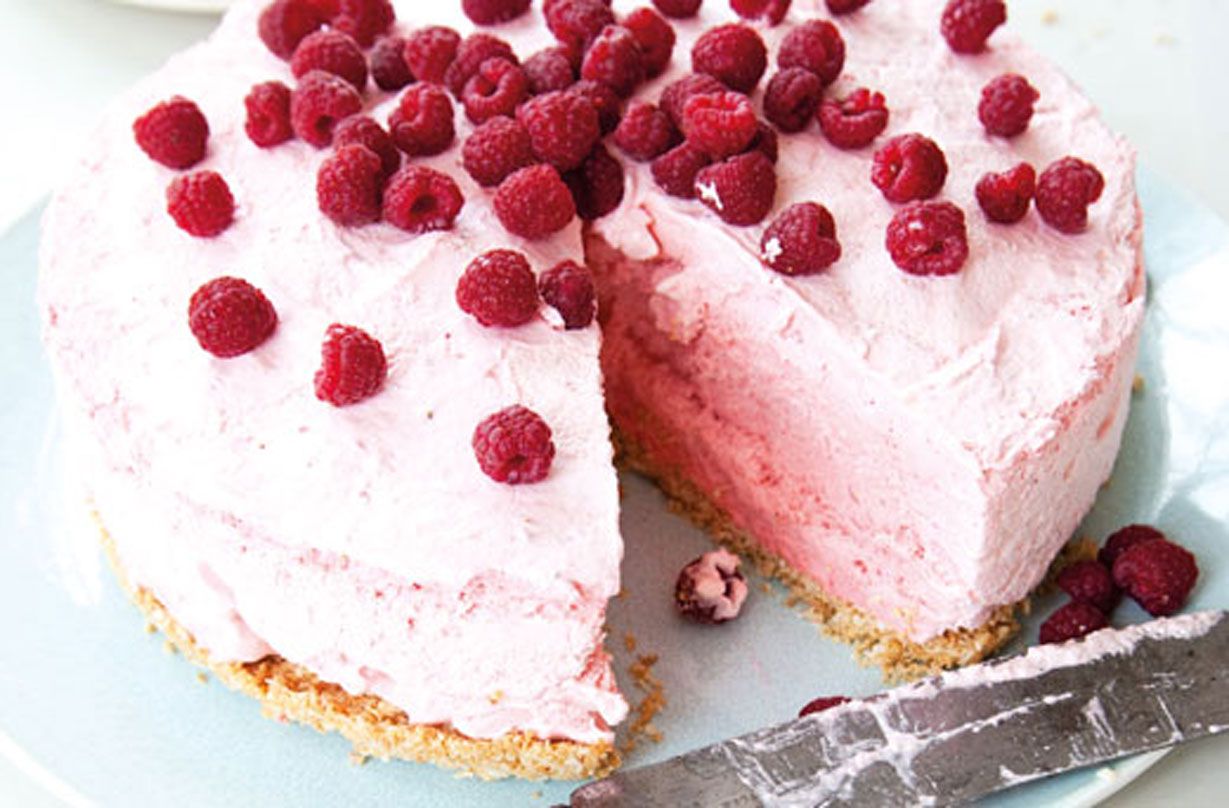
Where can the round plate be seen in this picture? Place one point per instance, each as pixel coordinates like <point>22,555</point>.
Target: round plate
<point>191,6</point>
<point>97,705</point>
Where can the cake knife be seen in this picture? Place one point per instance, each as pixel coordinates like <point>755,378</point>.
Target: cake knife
<point>964,734</point>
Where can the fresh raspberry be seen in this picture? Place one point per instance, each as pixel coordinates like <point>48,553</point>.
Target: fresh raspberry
<point>534,202</point>
<point>429,52</point>
<point>173,133</point>
<point>854,121</point>
<point>597,185</point>
<point>655,37</point>
<point>1005,197</point>
<point>770,11</point>
<point>348,186</point>
<point>563,128</point>
<point>822,703</point>
<point>645,132</point>
<point>967,24</point>
<point>604,100</point>
<point>364,19</point>
<point>229,317</point>
<point>733,54</point>
<point>678,9</point>
<point>792,97</point>
<point>928,238</point>
<point>723,124</point>
<point>615,59</point>
<point>838,7</point>
<point>1064,192</point>
<point>1007,105</point>
<point>419,199</point>
<point>284,23</point>
<point>801,241</point>
<point>352,366</point>
<point>200,203</point>
<point>1158,574</point>
<point>675,171</point>
<point>499,290</point>
<point>493,12</point>
<point>333,52</point>
<point>387,63</point>
<point>575,23</point>
<point>514,446</point>
<point>674,97</point>
<point>765,142</point>
<point>814,45</point>
<point>740,190</point>
<point>909,167</point>
<point>711,589</point>
<point>496,149</point>
<point>548,70</point>
<point>1120,540</point>
<point>268,114</point>
<point>1072,621</point>
<point>498,88</point>
<point>1090,582</point>
<point>364,131</point>
<point>422,124</point>
<point>567,287</point>
<point>470,54</point>
<point>318,103</point>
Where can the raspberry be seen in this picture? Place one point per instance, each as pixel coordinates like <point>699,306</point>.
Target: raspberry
<point>268,114</point>
<point>838,7</point>
<point>549,70</point>
<point>567,287</point>
<point>1090,582</point>
<point>674,97</point>
<point>1072,621</point>
<point>1158,574</point>
<point>470,54</point>
<point>365,131</point>
<point>710,589</point>
<point>498,289</point>
<point>387,62</point>
<point>422,124</point>
<point>603,99</point>
<point>496,149</point>
<point>1120,540</point>
<point>615,59</point>
<point>854,121</point>
<point>822,703</point>
<point>801,241</point>
<point>814,45</point>
<point>771,11</point>
<point>364,19</point>
<point>722,124</point>
<point>419,199</point>
<point>1005,197</point>
<point>332,52</point>
<point>348,186</point>
<point>678,9</point>
<point>493,12</point>
<point>284,23</point>
<point>173,133</point>
<point>733,54</point>
<point>318,103</point>
<point>562,126</point>
<point>967,24</point>
<point>576,22</point>
<point>765,142</point>
<point>497,88</point>
<point>514,446</point>
<point>200,203</point>
<point>534,202</point>
<point>352,366</point>
<point>429,52</point>
<point>645,132</point>
<point>792,97</point>
<point>1064,192</point>
<point>909,167</point>
<point>928,238</point>
<point>229,317</point>
<point>1007,105</point>
<point>655,37</point>
<point>675,171</point>
<point>597,186</point>
<point>740,190</point>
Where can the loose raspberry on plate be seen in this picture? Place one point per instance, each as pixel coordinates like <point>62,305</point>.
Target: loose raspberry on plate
<point>496,149</point>
<point>567,287</point>
<point>470,54</point>
<point>770,11</point>
<point>575,23</point>
<point>318,103</point>
<point>284,23</point>
<point>645,132</point>
<point>268,114</point>
<point>348,186</point>
<point>814,45</point>
<point>387,62</point>
<point>352,366</point>
<point>333,52</point>
<point>365,131</point>
<point>563,128</point>
<point>723,124</point>
<point>1064,192</point>
<point>792,98</point>
<point>1005,197</point>
<point>597,185</point>
<point>419,199</point>
<point>765,142</point>
<point>200,203</point>
<point>493,12</point>
<point>534,202</point>
<point>498,88</point>
<point>549,70</point>
<point>422,124</point>
<point>740,190</point>
<point>1072,621</point>
<point>678,9</point>
<point>514,446</point>
<point>614,58</point>
<point>1090,582</point>
<point>928,238</point>
<point>230,317</point>
<point>854,121</point>
<point>838,7</point>
<point>1120,540</point>
<point>734,54</point>
<point>498,289</point>
<point>655,36</point>
<point>604,100</point>
<point>801,240</point>
<point>429,52</point>
<point>1006,105</point>
<point>967,24</point>
<point>675,171</point>
<point>823,702</point>
<point>711,589</point>
<point>173,133</point>
<point>909,167</point>
<point>674,97</point>
<point>364,19</point>
<point>1158,574</point>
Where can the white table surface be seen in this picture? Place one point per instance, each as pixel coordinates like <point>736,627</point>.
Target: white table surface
<point>1156,68</point>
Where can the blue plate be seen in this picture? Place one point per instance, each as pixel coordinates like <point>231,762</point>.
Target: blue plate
<point>91,698</point>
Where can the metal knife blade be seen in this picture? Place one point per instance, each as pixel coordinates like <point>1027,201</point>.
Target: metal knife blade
<point>961,735</point>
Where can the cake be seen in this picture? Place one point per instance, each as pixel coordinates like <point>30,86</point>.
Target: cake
<point>909,452</point>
